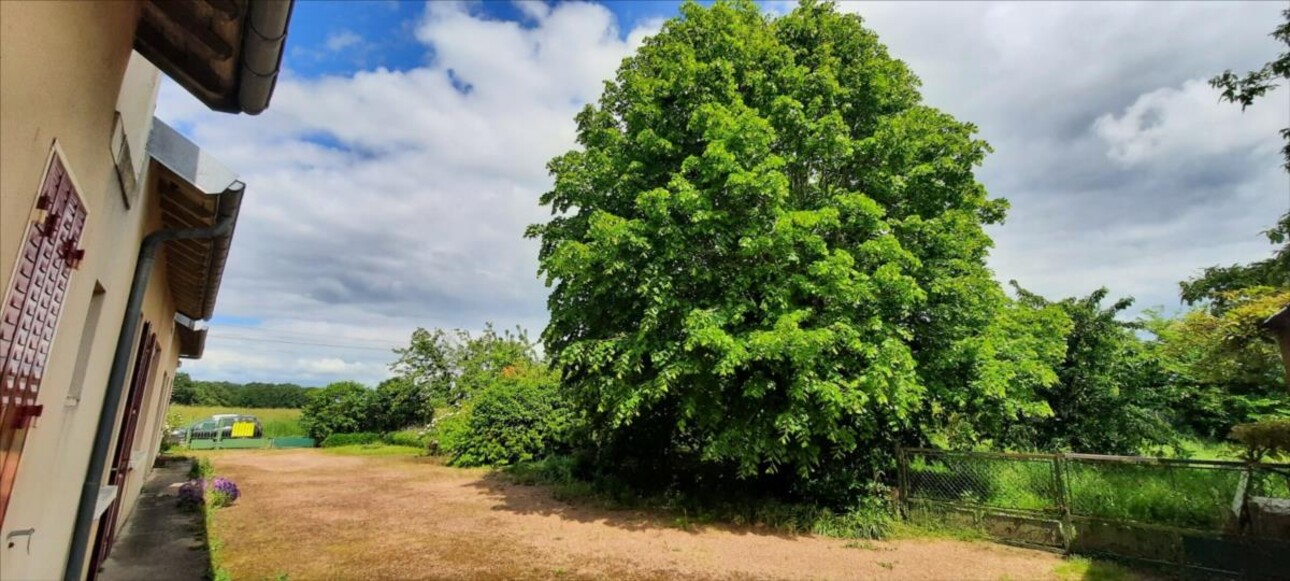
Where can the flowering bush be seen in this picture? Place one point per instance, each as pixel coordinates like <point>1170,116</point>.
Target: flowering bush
<point>222,492</point>
<point>191,494</point>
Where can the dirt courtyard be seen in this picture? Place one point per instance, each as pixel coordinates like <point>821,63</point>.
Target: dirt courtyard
<point>313,515</point>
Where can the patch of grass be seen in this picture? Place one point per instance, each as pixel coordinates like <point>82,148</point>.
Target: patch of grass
<point>888,565</point>
<point>1173,495</point>
<point>202,468</point>
<point>1083,569</point>
<point>374,450</point>
<point>934,530</point>
<point>277,422</point>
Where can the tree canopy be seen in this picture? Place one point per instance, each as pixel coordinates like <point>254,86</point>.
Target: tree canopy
<point>769,253</point>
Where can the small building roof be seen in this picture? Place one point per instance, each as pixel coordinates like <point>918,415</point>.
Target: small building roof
<point>196,191</point>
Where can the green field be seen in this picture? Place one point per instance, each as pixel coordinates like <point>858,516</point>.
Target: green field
<point>277,422</point>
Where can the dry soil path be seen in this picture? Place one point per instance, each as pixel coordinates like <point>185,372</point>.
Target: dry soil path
<point>312,515</point>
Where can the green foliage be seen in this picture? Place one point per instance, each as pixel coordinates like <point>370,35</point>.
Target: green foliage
<point>1268,438</point>
<point>449,367</point>
<point>1225,370</point>
<point>342,407</point>
<point>1110,396</point>
<point>400,404</point>
<point>187,391</point>
<point>768,255</point>
<point>375,449</point>
<point>410,438</point>
<point>347,407</point>
<point>201,469</point>
<point>351,439</point>
<point>520,417</point>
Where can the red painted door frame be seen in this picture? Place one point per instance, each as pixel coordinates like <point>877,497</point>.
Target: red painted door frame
<point>146,355</point>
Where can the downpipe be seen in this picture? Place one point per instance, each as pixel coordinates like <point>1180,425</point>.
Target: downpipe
<point>148,250</point>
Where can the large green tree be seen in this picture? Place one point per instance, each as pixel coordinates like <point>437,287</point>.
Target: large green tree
<point>768,254</point>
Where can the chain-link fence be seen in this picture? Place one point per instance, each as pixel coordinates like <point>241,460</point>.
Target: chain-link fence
<point>1195,513</point>
<point>1006,481</point>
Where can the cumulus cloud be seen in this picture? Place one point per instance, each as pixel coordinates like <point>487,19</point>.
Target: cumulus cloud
<point>1122,167</point>
<point>1183,123</point>
<point>386,200</point>
<point>383,200</point>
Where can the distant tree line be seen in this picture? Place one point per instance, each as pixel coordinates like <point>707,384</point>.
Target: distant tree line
<point>189,391</point>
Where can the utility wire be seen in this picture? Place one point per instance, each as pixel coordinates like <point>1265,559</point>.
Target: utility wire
<point>310,343</point>
<point>296,334</point>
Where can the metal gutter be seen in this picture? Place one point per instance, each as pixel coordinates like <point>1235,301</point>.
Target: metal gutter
<point>264,38</point>
<point>230,200</point>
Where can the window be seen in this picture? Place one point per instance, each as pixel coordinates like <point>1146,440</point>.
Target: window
<point>88,332</point>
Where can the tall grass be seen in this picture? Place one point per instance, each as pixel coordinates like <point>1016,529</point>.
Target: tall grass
<point>277,422</point>
<point>1185,496</point>
<point>1168,494</point>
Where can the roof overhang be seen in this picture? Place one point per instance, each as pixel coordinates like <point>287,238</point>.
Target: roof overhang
<point>195,191</point>
<point>227,53</point>
<point>192,340</point>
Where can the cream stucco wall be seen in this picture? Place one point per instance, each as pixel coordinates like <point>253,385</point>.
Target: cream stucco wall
<point>63,77</point>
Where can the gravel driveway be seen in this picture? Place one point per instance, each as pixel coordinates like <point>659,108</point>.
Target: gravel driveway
<point>313,515</point>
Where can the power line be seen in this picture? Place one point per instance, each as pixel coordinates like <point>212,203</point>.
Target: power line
<point>309,343</point>
<point>294,334</point>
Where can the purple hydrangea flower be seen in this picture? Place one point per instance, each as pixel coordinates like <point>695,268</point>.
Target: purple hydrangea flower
<point>225,487</point>
<point>191,494</point>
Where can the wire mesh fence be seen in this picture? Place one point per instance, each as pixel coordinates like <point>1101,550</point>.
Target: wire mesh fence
<point>1197,494</point>
<point>1203,515</point>
<point>1189,494</point>
<point>1021,482</point>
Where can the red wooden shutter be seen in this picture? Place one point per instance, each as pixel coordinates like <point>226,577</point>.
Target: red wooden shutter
<point>29,314</point>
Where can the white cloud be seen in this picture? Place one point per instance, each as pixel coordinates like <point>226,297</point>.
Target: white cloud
<point>1121,170</point>
<point>386,200</point>
<point>1184,122</point>
<point>342,40</point>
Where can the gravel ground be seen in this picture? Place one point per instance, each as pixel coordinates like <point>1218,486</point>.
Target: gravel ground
<point>313,515</point>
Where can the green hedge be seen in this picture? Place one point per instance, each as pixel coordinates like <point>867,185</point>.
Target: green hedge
<point>412,438</point>
<point>354,439</point>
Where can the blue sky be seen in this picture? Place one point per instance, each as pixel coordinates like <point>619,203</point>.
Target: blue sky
<point>404,153</point>
<point>388,30</point>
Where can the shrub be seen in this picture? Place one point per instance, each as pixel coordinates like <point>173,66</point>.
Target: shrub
<point>343,407</point>
<point>412,438</point>
<point>399,403</point>
<point>222,492</point>
<point>1264,439</point>
<point>191,494</point>
<point>353,439</point>
<point>215,492</point>
<point>518,418</point>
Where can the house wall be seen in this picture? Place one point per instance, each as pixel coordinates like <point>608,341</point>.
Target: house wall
<point>65,70</point>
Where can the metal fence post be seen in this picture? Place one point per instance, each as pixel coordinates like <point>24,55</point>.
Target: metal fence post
<point>902,475</point>
<point>1063,499</point>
